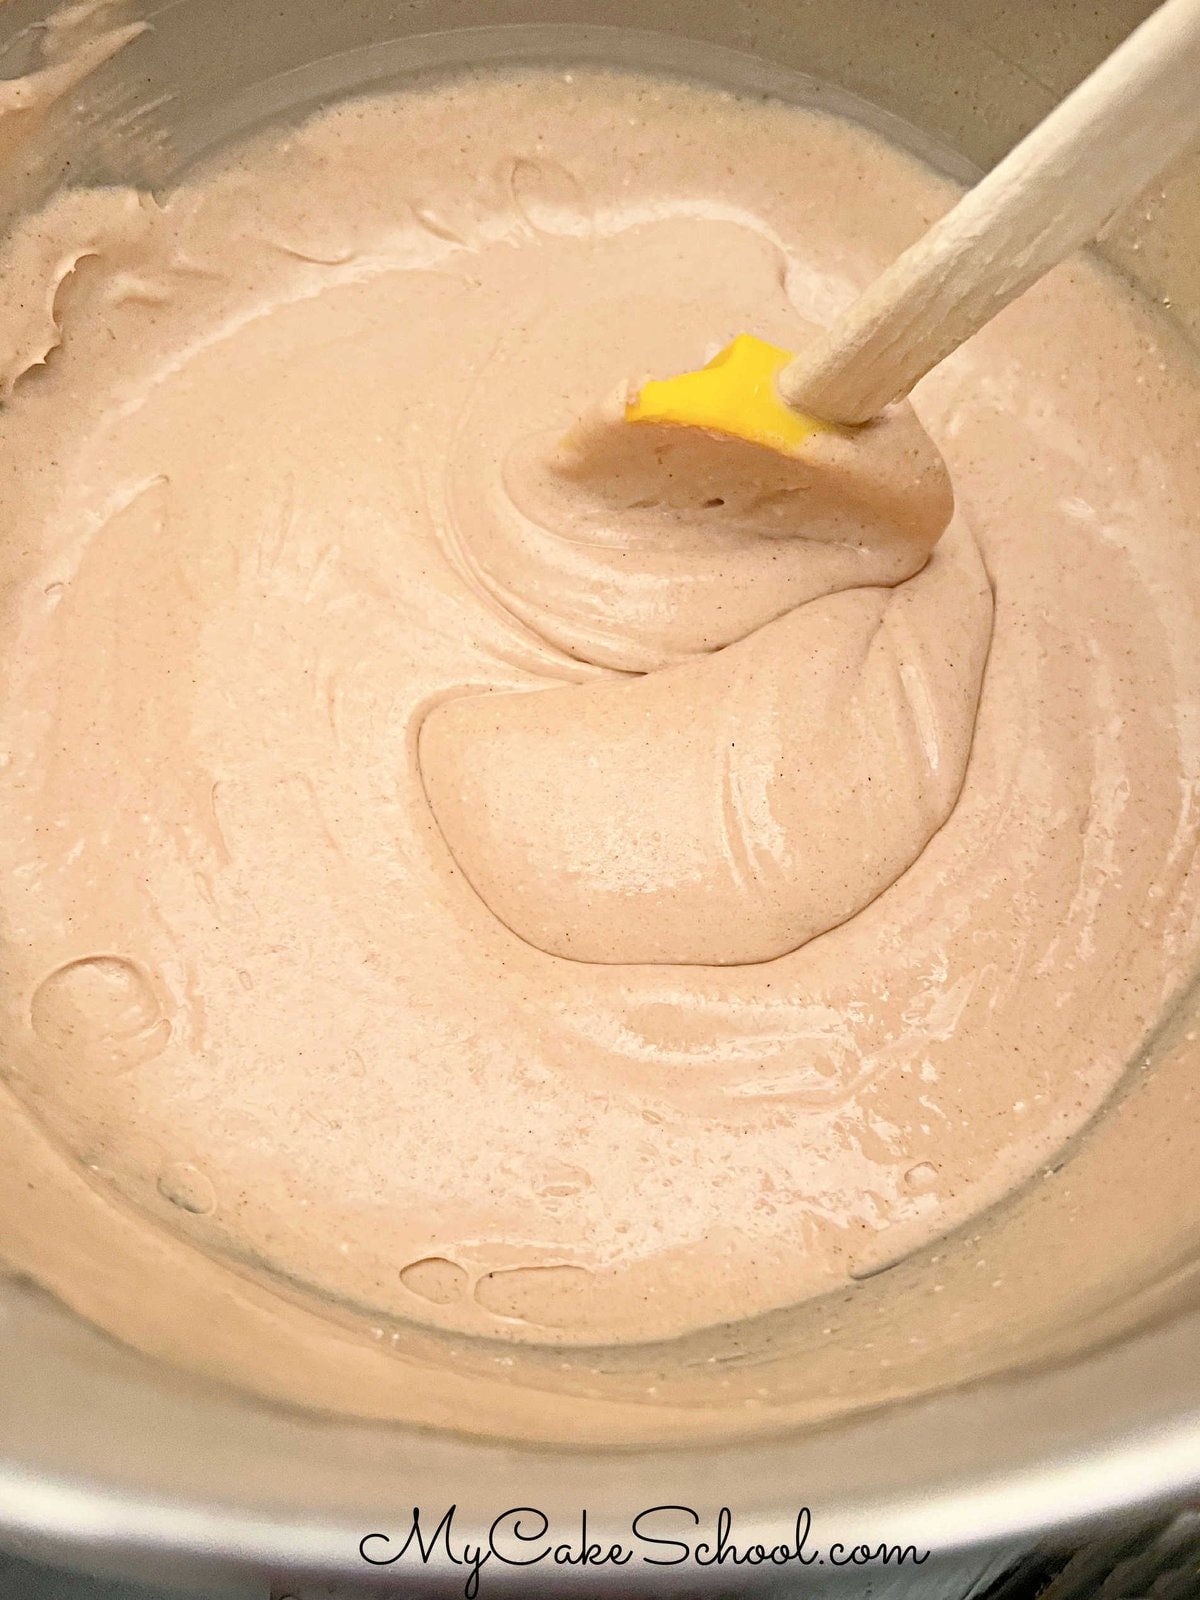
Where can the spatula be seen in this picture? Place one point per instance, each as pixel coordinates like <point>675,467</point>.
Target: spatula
<point>1094,153</point>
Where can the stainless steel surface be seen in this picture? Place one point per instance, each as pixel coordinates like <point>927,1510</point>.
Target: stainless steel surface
<point>1159,1558</point>
<point>25,1580</point>
<point>108,1457</point>
<point>969,1577</point>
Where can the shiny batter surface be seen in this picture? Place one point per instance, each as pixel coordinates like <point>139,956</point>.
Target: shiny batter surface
<point>446,874</point>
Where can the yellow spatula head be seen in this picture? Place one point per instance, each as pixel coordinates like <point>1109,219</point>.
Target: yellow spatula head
<point>735,395</point>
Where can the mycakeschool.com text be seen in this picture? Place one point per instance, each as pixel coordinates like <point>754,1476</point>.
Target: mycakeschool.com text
<point>658,1536</point>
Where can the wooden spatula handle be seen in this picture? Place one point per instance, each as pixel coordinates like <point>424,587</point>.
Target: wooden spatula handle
<point>1053,192</point>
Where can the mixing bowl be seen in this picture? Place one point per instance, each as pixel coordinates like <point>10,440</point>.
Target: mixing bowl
<point>1084,1401</point>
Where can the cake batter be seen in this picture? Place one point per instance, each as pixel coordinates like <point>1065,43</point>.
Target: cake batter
<point>288,520</point>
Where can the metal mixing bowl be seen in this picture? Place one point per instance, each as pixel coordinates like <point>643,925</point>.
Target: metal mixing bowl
<point>1089,1402</point>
